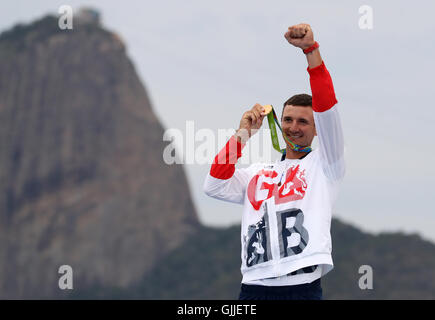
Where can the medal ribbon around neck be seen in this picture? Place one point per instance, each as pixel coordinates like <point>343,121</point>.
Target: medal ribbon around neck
<point>271,119</point>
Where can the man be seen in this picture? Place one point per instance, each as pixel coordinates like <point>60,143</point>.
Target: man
<point>285,231</point>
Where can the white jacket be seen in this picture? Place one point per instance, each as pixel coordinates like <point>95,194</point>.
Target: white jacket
<point>287,205</point>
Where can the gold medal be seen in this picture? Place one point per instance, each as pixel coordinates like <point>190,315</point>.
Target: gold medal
<point>267,108</point>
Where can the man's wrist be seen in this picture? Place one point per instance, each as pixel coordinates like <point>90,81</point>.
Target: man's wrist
<point>242,135</point>
<point>311,48</point>
<point>308,45</point>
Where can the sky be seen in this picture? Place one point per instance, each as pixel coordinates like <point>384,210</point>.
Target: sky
<point>210,61</point>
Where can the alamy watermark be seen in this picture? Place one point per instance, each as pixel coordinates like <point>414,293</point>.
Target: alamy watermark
<point>202,146</point>
<point>65,21</point>
<point>366,280</point>
<point>66,280</point>
<point>365,21</point>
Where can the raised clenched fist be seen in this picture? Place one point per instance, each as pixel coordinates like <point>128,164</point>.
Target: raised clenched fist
<point>300,36</point>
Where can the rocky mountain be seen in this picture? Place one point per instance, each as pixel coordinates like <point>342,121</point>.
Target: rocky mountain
<point>82,178</point>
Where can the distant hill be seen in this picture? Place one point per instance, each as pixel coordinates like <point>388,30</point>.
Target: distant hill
<point>82,181</point>
<point>207,267</point>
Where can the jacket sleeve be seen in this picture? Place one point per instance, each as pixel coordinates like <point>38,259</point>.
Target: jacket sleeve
<point>328,124</point>
<point>224,181</point>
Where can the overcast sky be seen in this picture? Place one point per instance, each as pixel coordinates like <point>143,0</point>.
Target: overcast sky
<point>209,61</point>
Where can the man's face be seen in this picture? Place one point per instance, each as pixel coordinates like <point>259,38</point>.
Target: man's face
<point>297,123</point>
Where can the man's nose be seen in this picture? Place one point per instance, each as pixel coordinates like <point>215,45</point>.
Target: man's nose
<point>294,126</point>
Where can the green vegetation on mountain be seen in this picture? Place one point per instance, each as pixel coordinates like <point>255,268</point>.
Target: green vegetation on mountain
<point>207,267</point>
